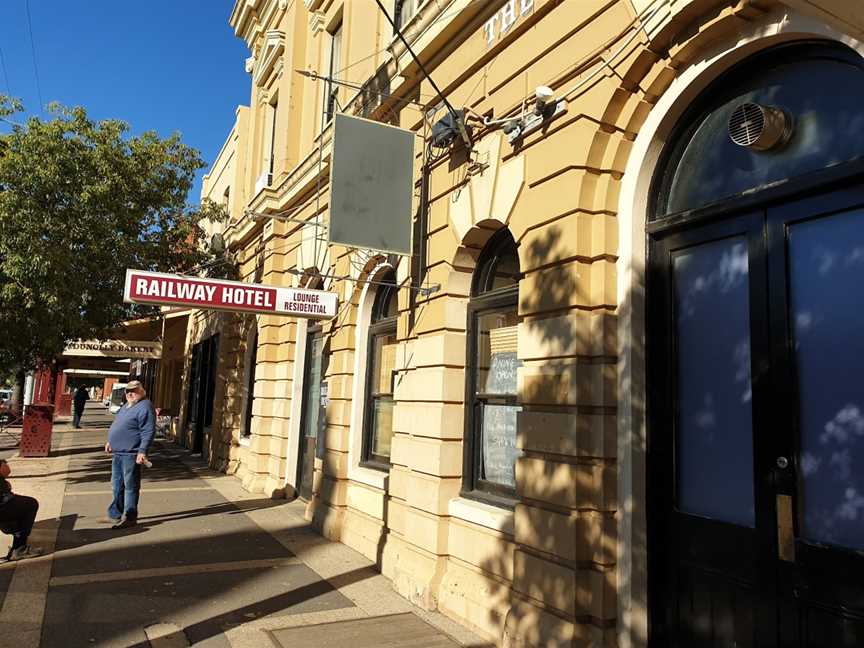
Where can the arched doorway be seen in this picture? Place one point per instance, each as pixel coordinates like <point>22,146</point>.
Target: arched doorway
<point>755,408</point>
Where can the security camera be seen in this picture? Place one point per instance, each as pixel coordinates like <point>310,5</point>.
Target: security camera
<point>511,125</point>
<point>542,95</point>
<point>513,129</point>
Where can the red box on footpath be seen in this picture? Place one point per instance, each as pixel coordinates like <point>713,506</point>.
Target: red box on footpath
<point>64,406</point>
<point>37,430</point>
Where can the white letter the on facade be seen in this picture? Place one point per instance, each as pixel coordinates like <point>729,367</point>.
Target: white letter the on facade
<point>490,29</point>
<point>508,15</point>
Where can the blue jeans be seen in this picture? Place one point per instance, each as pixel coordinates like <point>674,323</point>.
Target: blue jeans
<point>126,484</point>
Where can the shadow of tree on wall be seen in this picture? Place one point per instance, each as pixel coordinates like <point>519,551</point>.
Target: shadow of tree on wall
<point>564,562</point>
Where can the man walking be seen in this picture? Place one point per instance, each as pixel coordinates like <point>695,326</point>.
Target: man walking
<point>129,438</point>
<point>78,400</point>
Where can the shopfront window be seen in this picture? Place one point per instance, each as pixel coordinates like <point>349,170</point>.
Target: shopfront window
<point>380,371</point>
<point>492,400</point>
<point>820,128</point>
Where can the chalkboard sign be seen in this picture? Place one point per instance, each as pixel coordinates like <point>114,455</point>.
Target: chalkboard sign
<point>499,444</point>
<point>501,378</point>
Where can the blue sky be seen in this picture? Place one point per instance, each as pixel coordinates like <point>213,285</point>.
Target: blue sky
<point>163,65</point>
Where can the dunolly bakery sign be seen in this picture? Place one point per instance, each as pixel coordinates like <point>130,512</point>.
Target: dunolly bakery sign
<point>217,294</point>
<point>113,349</point>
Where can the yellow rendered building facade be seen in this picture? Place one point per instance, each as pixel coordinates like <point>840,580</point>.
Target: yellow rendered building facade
<point>559,554</point>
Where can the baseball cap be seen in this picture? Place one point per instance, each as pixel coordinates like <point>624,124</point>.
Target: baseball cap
<point>133,384</point>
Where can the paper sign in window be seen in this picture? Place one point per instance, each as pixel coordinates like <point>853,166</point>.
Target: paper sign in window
<point>386,368</point>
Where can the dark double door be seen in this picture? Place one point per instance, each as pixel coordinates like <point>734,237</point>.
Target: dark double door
<point>202,389</point>
<point>756,410</point>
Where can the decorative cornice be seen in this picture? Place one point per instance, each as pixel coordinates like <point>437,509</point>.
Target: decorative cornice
<point>271,52</point>
<point>249,65</point>
<point>316,22</point>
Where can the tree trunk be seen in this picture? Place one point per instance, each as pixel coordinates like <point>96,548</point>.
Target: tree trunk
<point>18,390</point>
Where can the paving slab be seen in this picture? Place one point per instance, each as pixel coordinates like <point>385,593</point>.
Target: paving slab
<point>391,631</point>
<point>6,572</point>
<point>175,528</point>
<point>203,605</point>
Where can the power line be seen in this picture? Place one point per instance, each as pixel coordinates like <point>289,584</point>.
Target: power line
<point>33,51</point>
<point>5,74</point>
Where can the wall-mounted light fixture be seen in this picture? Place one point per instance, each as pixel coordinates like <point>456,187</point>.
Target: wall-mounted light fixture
<point>542,97</point>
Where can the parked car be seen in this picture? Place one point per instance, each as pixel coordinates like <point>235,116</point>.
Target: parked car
<point>118,397</point>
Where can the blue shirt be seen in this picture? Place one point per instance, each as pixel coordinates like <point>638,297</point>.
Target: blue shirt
<point>133,428</point>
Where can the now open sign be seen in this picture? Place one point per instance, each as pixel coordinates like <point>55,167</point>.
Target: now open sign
<point>156,288</point>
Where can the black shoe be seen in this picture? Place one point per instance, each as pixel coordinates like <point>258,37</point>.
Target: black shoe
<point>22,553</point>
<point>125,524</point>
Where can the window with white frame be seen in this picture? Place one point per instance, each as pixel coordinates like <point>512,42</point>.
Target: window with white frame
<point>335,66</point>
<point>270,138</point>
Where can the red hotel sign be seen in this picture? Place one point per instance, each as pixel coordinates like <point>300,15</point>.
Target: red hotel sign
<point>217,294</point>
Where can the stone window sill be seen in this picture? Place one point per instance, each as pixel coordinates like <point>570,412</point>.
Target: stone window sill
<point>369,477</point>
<point>486,515</point>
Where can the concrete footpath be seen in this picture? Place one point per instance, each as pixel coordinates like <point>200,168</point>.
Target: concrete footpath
<point>209,565</point>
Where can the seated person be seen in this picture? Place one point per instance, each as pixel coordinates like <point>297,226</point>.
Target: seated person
<point>17,515</point>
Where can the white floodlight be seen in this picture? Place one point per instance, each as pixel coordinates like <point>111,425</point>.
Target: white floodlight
<point>542,95</point>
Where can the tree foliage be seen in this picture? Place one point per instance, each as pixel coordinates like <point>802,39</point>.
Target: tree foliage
<point>81,201</point>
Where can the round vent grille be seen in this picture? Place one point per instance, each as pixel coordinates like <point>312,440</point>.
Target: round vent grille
<point>759,127</point>
<point>746,124</point>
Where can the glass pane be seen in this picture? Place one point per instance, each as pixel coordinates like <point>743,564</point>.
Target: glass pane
<point>499,444</point>
<point>392,307</point>
<point>715,427</point>
<point>828,128</point>
<point>506,272</point>
<point>313,387</point>
<point>406,10</point>
<point>826,264</point>
<point>383,363</point>
<point>382,426</point>
<point>386,299</point>
<point>496,352</point>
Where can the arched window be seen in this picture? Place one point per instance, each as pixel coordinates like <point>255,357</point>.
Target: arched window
<point>491,395</point>
<point>380,368</point>
<point>789,111</point>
